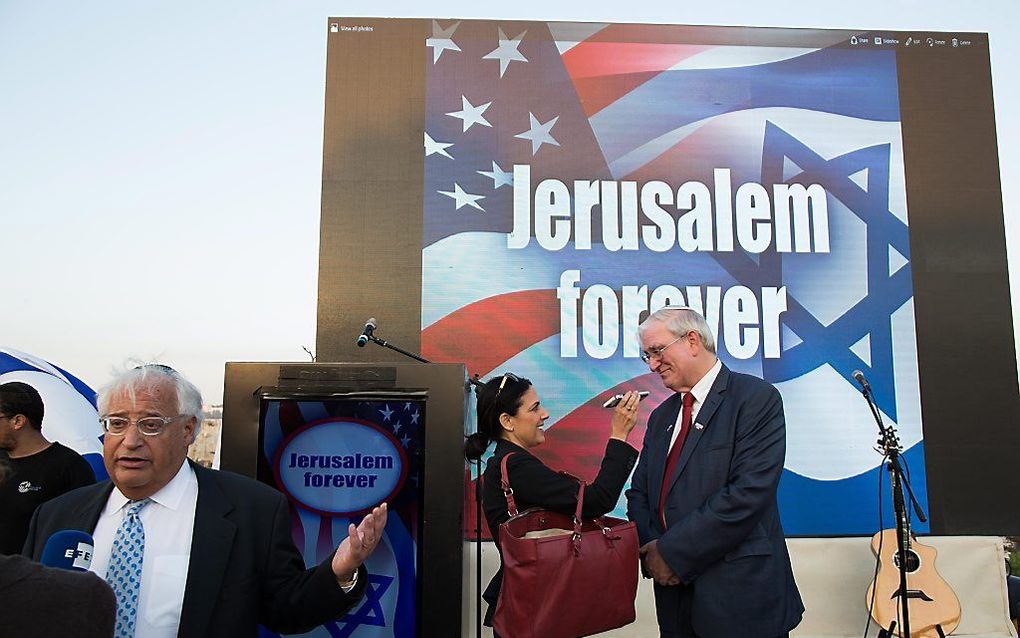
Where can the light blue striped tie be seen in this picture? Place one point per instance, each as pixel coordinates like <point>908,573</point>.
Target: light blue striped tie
<point>125,571</point>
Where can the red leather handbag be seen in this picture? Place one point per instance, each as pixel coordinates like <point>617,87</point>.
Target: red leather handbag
<point>564,577</point>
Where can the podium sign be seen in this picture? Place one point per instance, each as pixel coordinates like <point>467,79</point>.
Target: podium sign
<point>336,459</point>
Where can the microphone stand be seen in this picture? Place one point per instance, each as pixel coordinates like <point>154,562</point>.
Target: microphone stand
<point>387,344</point>
<point>889,446</point>
<point>476,382</point>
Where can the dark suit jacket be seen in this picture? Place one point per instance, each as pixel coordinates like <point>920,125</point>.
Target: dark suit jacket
<point>723,537</point>
<point>244,568</point>
<point>40,602</point>
<point>536,485</point>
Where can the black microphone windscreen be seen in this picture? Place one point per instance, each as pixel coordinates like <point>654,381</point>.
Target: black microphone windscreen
<point>68,549</point>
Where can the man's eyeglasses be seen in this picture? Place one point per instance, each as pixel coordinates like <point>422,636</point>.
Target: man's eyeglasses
<point>506,375</point>
<point>148,425</point>
<point>656,353</point>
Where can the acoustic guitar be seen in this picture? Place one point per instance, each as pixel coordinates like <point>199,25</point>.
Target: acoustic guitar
<point>933,606</point>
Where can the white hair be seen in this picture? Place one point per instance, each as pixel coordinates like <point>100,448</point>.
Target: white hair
<point>680,320</point>
<point>129,381</point>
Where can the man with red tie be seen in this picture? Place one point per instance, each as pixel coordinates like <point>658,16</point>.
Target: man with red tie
<point>703,494</point>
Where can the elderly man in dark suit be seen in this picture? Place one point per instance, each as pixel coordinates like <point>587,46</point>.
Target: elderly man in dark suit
<point>704,491</point>
<point>189,551</point>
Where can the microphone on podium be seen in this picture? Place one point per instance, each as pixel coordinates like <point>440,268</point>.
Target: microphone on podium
<point>366,333</point>
<point>68,549</point>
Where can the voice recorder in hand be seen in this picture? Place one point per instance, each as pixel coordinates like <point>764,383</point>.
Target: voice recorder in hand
<point>615,399</point>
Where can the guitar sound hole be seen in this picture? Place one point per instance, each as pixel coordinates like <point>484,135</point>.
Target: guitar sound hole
<point>913,560</point>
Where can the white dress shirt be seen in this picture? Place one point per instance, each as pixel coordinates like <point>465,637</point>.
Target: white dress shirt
<point>700,392</point>
<point>169,522</point>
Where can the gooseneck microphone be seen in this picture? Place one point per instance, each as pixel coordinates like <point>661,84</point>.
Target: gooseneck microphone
<point>859,377</point>
<point>68,549</point>
<point>366,334</point>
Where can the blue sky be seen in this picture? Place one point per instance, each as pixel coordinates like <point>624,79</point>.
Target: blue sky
<point>160,162</point>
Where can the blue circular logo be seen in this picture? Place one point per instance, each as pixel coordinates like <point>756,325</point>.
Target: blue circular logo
<point>340,467</point>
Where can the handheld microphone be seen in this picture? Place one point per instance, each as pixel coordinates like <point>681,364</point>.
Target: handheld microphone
<point>68,549</point>
<point>859,377</point>
<point>367,332</point>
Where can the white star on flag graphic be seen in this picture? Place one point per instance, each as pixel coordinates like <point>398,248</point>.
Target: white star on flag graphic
<point>471,114</point>
<point>433,147</point>
<point>498,176</point>
<point>539,133</point>
<point>463,199</point>
<point>506,52</point>
<point>442,40</point>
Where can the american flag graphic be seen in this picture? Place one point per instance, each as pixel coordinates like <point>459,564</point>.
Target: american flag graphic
<point>638,103</point>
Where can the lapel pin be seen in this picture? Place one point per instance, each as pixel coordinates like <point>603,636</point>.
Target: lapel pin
<point>698,426</point>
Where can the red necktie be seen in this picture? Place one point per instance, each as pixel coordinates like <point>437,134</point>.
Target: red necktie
<point>674,454</point>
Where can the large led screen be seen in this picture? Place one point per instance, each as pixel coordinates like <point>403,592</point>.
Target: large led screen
<point>571,178</point>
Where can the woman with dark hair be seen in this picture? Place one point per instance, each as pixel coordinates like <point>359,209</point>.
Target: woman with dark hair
<point>510,413</point>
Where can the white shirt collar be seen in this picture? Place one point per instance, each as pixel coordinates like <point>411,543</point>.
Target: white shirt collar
<point>702,387</point>
<point>170,496</point>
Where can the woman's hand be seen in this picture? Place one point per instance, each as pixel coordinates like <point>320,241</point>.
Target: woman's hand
<point>625,416</point>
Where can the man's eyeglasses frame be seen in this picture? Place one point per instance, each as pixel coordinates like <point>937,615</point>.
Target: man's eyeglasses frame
<point>656,353</point>
<point>149,429</point>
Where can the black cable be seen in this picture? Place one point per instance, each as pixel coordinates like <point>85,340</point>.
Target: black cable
<point>899,609</point>
<point>906,510</point>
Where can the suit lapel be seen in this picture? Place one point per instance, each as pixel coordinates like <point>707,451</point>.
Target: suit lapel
<point>704,418</point>
<point>86,513</point>
<point>211,542</point>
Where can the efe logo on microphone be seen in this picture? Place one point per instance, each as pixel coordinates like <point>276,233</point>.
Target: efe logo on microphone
<point>82,555</point>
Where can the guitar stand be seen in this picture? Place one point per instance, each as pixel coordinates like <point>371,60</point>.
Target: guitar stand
<point>889,446</point>
<point>888,633</point>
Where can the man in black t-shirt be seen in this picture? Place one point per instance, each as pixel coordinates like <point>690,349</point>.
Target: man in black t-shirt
<point>41,470</point>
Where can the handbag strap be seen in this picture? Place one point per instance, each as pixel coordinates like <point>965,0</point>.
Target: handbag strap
<point>577,512</point>
<point>511,505</point>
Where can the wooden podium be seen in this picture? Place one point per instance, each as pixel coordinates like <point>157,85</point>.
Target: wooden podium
<point>298,427</point>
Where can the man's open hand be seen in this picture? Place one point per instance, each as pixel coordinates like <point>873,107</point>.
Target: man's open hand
<point>359,544</point>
